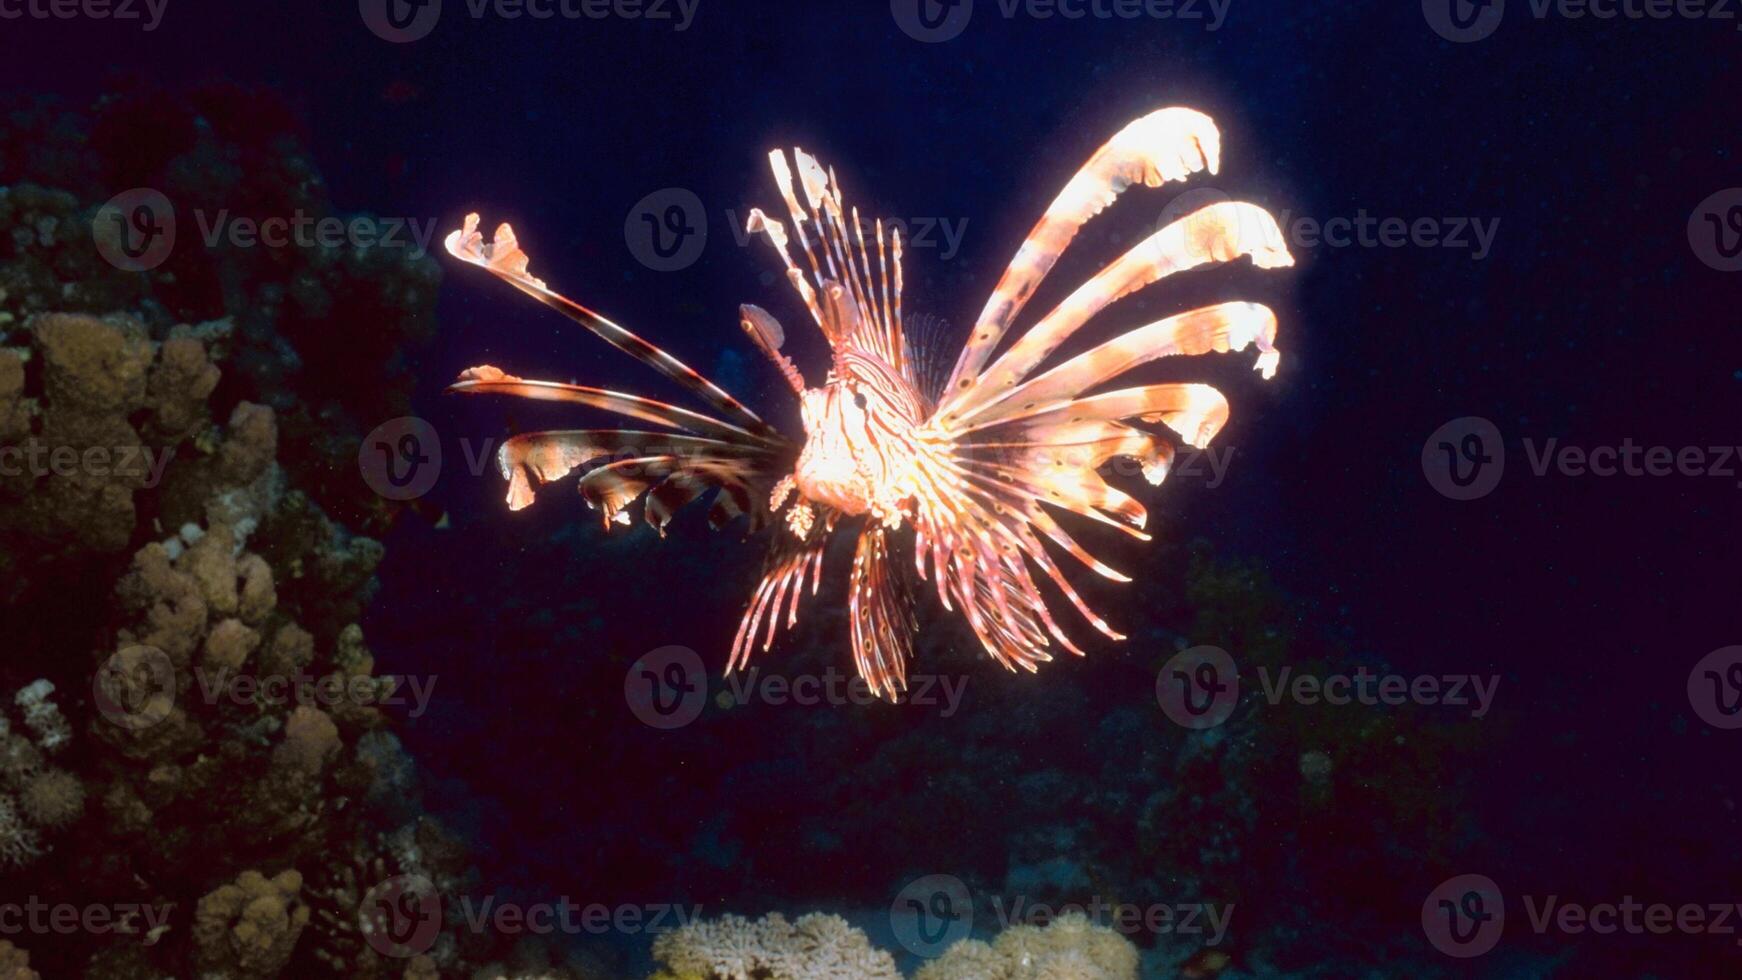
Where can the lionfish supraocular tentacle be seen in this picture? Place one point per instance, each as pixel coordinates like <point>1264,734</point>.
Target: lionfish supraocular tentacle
<point>976,469</point>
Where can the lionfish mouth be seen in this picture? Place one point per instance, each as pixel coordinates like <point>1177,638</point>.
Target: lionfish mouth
<point>1017,434</point>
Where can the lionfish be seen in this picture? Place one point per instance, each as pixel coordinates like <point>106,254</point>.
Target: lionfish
<point>976,469</point>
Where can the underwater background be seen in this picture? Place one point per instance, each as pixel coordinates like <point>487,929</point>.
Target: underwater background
<point>479,791</point>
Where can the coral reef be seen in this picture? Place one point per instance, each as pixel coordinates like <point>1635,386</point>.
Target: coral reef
<point>247,930</point>
<point>1069,948</point>
<point>319,330</point>
<point>181,518</point>
<point>36,797</point>
<point>816,946</point>
<point>15,963</point>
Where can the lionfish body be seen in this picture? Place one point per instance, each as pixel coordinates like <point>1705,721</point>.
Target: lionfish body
<point>972,474</point>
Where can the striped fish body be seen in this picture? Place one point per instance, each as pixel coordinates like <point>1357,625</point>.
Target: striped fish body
<point>860,439</point>
<point>967,479</point>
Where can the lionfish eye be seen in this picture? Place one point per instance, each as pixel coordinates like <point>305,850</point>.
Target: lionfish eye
<point>859,399</point>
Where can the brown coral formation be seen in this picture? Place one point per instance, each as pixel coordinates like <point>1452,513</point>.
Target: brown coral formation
<point>1069,948</point>
<point>233,686</point>
<point>247,930</point>
<point>816,946</point>
<point>15,963</point>
<point>76,473</point>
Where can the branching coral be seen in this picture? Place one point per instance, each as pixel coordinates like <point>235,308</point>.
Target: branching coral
<point>47,798</point>
<point>815,947</point>
<point>19,842</point>
<point>42,717</point>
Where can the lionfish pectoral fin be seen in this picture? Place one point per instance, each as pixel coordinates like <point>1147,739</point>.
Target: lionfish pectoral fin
<point>1168,144</point>
<point>1219,233</point>
<point>1007,447</point>
<point>736,453</point>
<point>504,258</point>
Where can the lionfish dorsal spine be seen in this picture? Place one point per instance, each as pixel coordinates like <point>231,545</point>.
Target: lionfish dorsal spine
<point>833,238</point>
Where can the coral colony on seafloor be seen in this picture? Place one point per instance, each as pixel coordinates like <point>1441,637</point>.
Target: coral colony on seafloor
<point>972,468</point>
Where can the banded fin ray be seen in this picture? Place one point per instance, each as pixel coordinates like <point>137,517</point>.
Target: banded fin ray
<point>504,258</point>
<point>1223,327</point>
<point>1167,144</point>
<point>880,613</point>
<point>533,459</point>
<point>488,380</point>
<point>1221,232</point>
